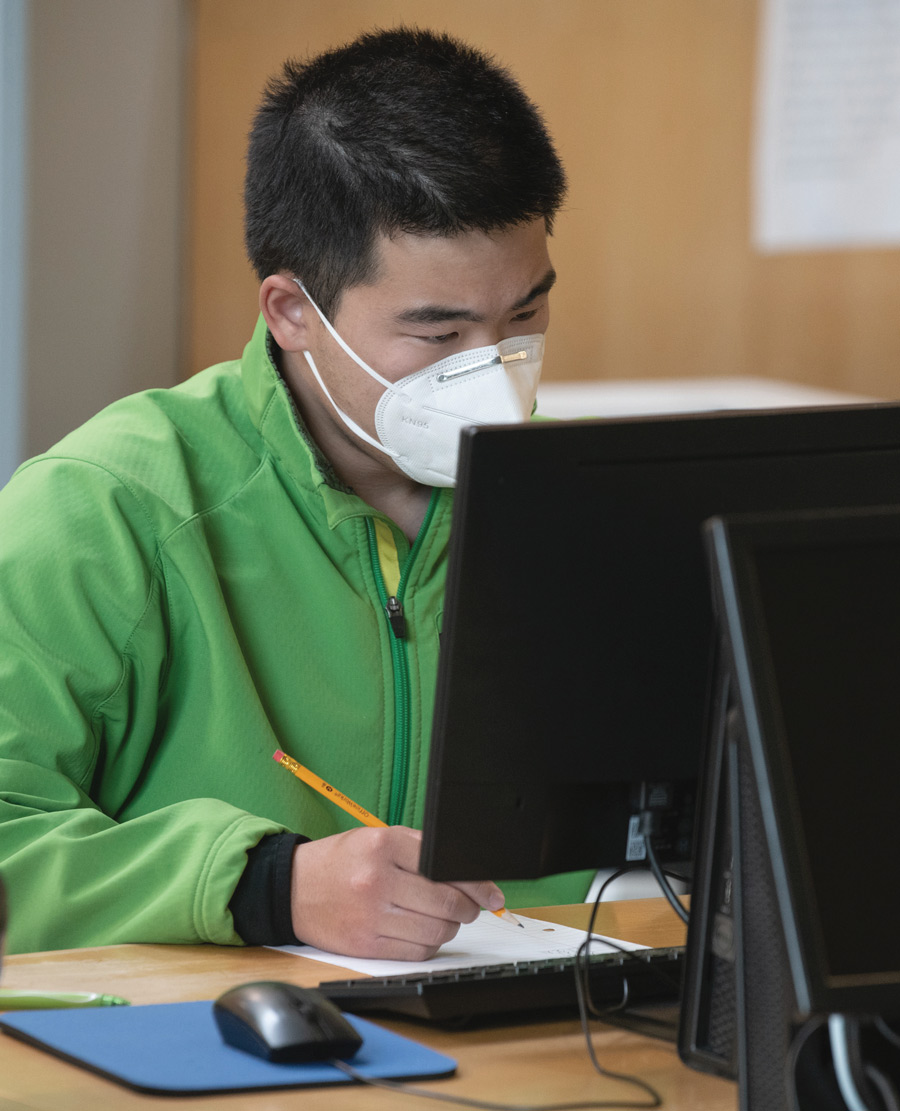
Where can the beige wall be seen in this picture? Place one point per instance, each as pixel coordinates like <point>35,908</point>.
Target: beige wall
<point>651,104</point>
<point>105,197</point>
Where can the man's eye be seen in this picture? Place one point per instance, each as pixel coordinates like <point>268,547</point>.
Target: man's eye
<point>445,338</point>
<point>529,314</point>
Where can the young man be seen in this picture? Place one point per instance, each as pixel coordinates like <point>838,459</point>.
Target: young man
<point>255,559</point>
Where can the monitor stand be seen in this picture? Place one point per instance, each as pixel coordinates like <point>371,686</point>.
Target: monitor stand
<point>652,1020</point>
<point>739,1013</point>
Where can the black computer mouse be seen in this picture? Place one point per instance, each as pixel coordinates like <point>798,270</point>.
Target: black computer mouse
<point>284,1023</point>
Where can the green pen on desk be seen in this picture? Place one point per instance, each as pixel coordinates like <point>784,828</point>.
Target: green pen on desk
<point>16,999</point>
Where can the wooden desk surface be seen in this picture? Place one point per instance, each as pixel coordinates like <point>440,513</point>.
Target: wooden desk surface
<point>524,1064</point>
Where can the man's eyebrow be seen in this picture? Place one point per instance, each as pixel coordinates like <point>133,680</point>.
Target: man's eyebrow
<point>440,314</point>
<point>544,286</point>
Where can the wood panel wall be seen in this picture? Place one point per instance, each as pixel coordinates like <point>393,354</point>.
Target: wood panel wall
<point>651,104</point>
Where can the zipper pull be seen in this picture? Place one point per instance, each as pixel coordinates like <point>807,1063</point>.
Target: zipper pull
<point>394,610</point>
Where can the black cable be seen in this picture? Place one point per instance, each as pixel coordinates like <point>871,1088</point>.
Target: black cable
<point>582,966</point>
<point>618,1012</point>
<point>655,1100</point>
<point>617,875</point>
<point>627,869</point>
<point>664,884</point>
<point>884,1087</point>
<point>647,817</point>
<point>630,954</point>
<point>793,1055</point>
<point>584,949</point>
<point>586,1003</point>
<point>886,1031</point>
<point>487,1105</point>
<point>882,1084</point>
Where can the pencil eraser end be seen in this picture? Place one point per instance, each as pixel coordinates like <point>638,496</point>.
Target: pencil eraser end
<point>277,755</point>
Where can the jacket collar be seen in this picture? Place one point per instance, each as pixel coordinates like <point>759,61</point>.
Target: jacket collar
<point>278,421</point>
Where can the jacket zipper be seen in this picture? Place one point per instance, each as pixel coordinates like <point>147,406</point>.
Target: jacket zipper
<point>392,604</point>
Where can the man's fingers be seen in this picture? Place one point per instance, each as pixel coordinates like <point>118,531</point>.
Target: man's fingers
<point>361,893</point>
<point>484,894</point>
<point>412,928</point>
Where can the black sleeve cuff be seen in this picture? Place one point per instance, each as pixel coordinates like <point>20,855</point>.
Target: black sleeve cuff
<point>261,903</point>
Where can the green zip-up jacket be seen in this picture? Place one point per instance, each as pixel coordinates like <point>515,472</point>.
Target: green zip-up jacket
<point>185,587</point>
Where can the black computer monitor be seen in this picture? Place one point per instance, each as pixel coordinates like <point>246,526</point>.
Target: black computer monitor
<point>814,606</point>
<point>577,629</point>
<point>795,912</point>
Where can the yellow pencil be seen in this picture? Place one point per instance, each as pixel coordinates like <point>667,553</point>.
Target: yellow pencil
<point>358,812</point>
<point>332,793</point>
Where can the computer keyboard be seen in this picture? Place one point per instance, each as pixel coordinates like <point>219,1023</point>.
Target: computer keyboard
<point>651,975</point>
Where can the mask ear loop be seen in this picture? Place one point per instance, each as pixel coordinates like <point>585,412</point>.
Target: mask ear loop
<point>349,421</point>
<point>345,347</point>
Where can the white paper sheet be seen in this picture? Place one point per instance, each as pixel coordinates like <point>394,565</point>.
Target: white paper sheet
<point>487,940</point>
<point>827,159</point>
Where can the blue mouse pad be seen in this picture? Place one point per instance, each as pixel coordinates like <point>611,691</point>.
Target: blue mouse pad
<point>176,1049</point>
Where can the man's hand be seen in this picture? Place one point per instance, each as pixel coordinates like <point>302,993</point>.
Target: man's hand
<point>360,893</point>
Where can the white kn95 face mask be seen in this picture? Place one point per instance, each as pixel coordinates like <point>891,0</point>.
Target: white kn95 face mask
<point>418,418</point>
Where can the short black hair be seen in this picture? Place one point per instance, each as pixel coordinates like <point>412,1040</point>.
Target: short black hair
<point>402,130</point>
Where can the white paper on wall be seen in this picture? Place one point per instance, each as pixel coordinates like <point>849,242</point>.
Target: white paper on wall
<point>827,143</point>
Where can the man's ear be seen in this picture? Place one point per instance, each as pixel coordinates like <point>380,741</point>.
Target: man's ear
<point>286,310</point>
